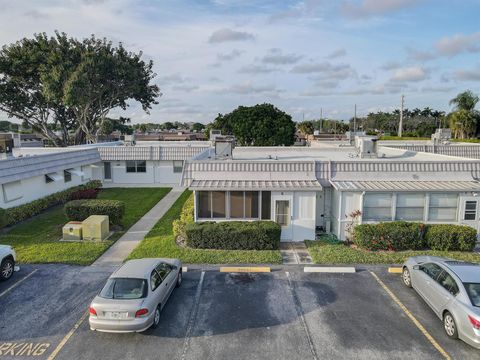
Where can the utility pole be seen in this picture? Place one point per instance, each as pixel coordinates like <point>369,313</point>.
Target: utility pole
<point>355,120</point>
<point>321,117</point>
<point>400,125</point>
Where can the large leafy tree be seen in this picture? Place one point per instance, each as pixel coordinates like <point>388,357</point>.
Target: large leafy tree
<point>259,125</point>
<point>71,85</point>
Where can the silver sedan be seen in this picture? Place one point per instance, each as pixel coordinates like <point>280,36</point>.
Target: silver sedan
<point>134,295</point>
<point>452,289</point>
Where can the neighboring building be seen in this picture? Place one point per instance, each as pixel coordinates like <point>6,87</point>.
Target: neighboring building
<point>180,135</point>
<point>315,189</point>
<point>24,179</point>
<point>152,165</point>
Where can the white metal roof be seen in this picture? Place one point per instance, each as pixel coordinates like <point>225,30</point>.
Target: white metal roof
<point>150,152</point>
<point>255,185</point>
<point>406,185</point>
<point>26,167</point>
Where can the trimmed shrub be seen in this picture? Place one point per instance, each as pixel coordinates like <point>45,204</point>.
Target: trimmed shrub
<point>234,235</point>
<point>84,194</point>
<point>451,237</point>
<point>3,218</point>
<point>186,217</point>
<point>19,213</point>
<point>395,235</point>
<point>79,210</point>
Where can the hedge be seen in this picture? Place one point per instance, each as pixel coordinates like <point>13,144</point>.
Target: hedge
<point>79,210</point>
<point>19,213</point>
<point>234,235</point>
<point>186,217</point>
<point>401,235</point>
<point>451,237</point>
<point>395,235</point>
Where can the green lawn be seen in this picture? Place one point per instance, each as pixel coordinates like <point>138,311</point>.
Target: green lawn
<point>36,240</point>
<point>335,252</point>
<point>160,242</point>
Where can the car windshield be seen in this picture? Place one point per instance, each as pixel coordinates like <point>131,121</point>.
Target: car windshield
<point>473,291</point>
<point>123,288</point>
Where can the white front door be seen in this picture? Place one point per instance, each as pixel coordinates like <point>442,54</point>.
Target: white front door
<point>470,212</point>
<point>282,214</point>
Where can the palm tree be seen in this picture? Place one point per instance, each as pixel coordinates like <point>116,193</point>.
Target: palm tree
<point>466,100</point>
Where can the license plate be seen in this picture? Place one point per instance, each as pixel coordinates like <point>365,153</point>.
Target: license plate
<point>116,315</point>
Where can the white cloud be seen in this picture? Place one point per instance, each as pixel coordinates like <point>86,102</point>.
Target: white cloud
<point>256,69</point>
<point>234,54</point>
<point>468,74</point>
<point>375,7</point>
<point>249,88</point>
<point>419,55</point>
<point>226,34</point>
<point>414,73</point>
<point>277,57</point>
<point>456,44</point>
<point>337,53</point>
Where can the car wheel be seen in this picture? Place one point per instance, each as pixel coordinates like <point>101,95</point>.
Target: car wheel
<point>6,269</point>
<point>407,280</point>
<point>156,318</point>
<point>450,326</point>
<point>179,279</point>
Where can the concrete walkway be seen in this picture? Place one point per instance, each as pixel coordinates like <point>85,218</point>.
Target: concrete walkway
<point>117,253</point>
<point>295,253</point>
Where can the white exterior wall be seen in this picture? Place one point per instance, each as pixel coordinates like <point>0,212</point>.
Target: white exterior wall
<point>346,202</point>
<point>158,172</point>
<point>35,187</point>
<point>164,173</point>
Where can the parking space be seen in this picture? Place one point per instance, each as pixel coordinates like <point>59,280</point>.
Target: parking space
<point>455,348</point>
<point>283,314</point>
<point>39,305</point>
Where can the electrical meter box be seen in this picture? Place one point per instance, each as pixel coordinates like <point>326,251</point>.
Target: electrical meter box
<point>95,227</point>
<point>72,230</point>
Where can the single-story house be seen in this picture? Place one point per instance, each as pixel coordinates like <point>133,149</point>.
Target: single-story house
<point>311,190</point>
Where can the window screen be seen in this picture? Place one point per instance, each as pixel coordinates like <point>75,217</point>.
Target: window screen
<point>410,207</point>
<point>204,209</point>
<point>442,207</point>
<point>266,205</point>
<point>218,204</point>
<point>67,176</point>
<point>177,166</point>
<point>236,204</point>
<point>251,204</point>
<point>377,206</point>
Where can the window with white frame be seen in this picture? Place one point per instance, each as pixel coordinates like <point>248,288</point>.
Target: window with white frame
<point>410,206</point>
<point>470,210</point>
<point>211,204</point>
<point>177,166</point>
<point>244,204</point>
<point>443,207</point>
<point>136,166</point>
<point>377,207</point>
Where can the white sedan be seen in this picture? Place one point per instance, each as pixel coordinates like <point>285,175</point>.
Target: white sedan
<point>8,257</point>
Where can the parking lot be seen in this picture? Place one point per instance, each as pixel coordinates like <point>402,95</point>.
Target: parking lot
<point>283,314</point>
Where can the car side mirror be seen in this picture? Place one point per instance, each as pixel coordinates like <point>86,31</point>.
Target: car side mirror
<point>416,267</point>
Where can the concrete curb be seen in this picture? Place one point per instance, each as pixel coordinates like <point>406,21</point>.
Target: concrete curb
<point>245,269</point>
<point>328,269</point>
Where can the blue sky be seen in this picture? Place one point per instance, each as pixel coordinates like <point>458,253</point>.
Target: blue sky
<point>302,56</point>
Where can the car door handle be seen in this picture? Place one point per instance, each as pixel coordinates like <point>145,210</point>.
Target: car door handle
<point>166,284</point>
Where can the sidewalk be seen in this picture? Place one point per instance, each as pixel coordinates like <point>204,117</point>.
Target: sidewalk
<point>295,253</point>
<point>115,255</point>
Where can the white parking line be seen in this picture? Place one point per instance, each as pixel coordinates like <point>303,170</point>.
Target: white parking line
<point>18,282</point>
<point>298,308</point>
<point>192,317</point>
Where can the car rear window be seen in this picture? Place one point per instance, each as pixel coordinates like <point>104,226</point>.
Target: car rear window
<point>123,288</point>
<point>473,291</point>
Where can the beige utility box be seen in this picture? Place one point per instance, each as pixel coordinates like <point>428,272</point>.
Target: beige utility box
<point>72,230</point>
<point>95,227</point>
